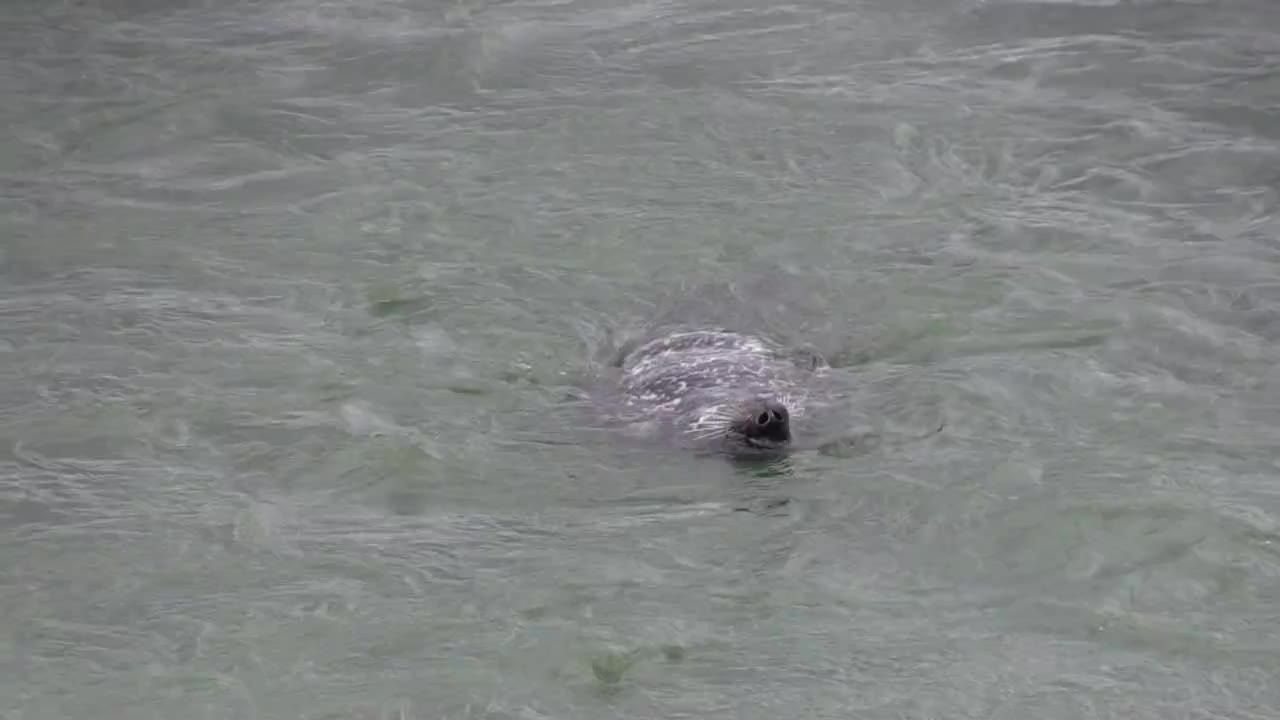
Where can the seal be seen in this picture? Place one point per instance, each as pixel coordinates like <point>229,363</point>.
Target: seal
<point>716,390</point>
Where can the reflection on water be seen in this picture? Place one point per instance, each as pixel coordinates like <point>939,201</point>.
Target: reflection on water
<point>297,298</point>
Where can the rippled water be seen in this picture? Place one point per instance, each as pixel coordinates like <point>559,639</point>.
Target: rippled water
<point>292,293</point>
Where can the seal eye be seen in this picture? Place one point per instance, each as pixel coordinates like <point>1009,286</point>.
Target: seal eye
<point>762,419</point>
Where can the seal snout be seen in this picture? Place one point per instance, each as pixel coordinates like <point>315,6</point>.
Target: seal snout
<point>767,424</point>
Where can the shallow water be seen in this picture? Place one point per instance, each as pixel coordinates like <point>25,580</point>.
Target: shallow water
<point>292,293</point>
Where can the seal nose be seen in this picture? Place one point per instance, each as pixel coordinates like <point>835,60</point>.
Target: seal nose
<point>769,424</point>
<point>769,417</point>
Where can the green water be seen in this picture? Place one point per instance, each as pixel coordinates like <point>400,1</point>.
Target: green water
<point>292,294</point>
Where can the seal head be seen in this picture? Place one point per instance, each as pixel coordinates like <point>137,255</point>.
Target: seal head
<point>715,390</point>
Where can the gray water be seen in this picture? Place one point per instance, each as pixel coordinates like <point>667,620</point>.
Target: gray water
<point>292,293</point>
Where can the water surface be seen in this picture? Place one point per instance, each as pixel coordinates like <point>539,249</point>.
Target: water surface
<point>292,293</point>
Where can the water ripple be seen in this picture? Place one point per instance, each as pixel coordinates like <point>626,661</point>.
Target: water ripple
<point>295,298</point>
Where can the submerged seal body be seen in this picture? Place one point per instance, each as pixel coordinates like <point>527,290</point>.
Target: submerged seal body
<point>715,390</point>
